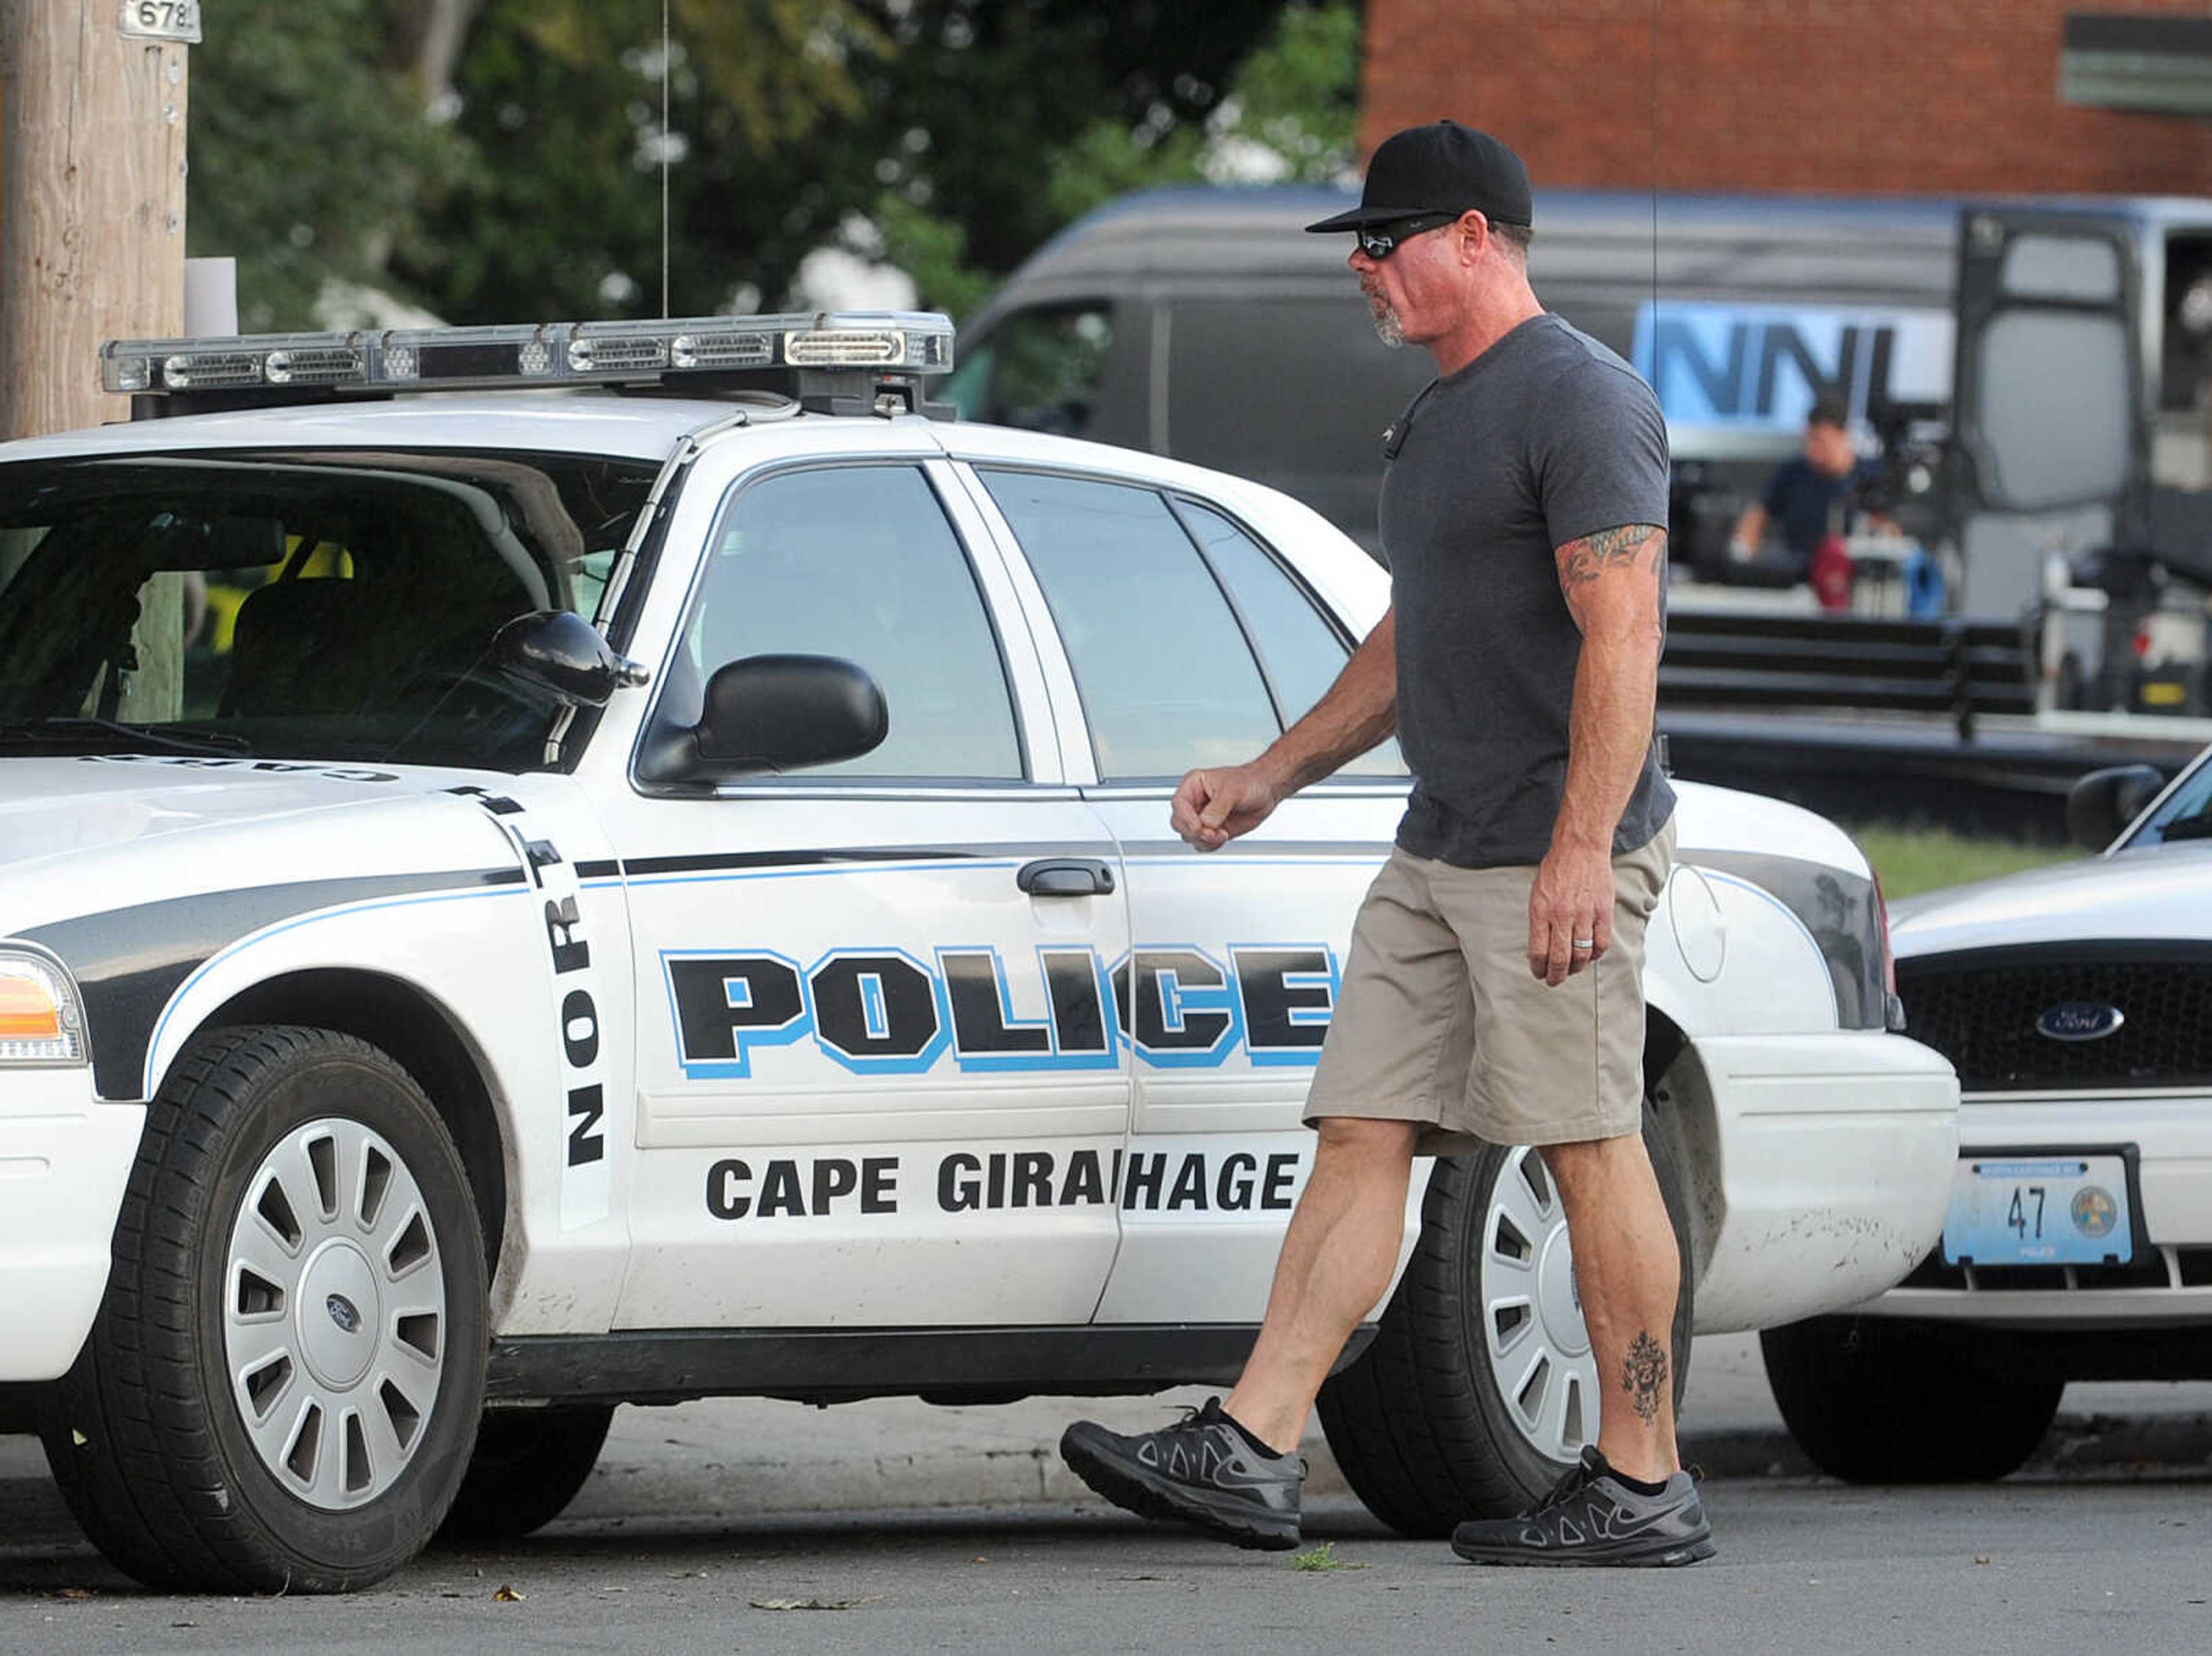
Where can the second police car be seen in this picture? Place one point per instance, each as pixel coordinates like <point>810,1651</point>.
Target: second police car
<point>2073,1000</point>
<point>532,898</point>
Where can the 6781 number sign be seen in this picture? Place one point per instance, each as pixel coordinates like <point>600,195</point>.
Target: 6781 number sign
<point>162,20</point>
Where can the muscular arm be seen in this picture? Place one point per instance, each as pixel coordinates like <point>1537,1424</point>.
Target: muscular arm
<point>1212,807</point>
<point>1612,582</point>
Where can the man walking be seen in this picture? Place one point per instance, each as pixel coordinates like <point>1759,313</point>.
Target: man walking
<point>1494,991</point>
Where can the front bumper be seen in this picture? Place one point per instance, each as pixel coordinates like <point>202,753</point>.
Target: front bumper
<point>2168,1284</point>
<point>64,1159</point>
<point>1830,1175</point>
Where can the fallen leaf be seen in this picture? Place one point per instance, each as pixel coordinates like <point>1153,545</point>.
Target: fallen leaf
<point>980,1558</point>
<point>72,1592</point>
<point>811,1604</point>
<point>505,1595</point>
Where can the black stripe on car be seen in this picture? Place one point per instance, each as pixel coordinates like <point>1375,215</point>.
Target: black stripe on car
<point>127,962</point>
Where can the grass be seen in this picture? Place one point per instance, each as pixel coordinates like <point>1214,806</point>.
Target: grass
<point>1913,861</point>
<point>1323,1557</point>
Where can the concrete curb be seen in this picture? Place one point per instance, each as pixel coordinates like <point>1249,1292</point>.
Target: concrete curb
<point>2128,1443</point>
<point>741,1462</point>
<point>2076,1444</point>
<point>641,1478</point>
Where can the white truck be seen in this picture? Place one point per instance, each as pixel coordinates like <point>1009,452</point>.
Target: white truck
<point>551,866</point>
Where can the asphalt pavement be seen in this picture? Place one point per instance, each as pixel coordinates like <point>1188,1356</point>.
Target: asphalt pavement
<point>740,1456</point>
<point>896,1526</point>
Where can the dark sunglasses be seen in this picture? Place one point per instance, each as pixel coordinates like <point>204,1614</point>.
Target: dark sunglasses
<point>1378,241</point>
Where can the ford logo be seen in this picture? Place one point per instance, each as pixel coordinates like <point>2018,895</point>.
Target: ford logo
<point>342,1313</point>
<point>2080,1020</point>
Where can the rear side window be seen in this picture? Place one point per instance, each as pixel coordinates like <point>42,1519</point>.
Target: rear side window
<point>1300,651</point>
<point>859,561</point>
<point>1038,371</point>
<point>1167,680</point>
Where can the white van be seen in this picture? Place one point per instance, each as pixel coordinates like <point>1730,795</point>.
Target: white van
<point>1205,323</point>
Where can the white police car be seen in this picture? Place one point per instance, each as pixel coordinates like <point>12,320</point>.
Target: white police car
<point>513,903</point>
<point>2076,1001</point>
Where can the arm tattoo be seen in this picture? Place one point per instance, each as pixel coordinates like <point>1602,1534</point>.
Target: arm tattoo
<point>1587,559</point>
<point>1643,1376</point>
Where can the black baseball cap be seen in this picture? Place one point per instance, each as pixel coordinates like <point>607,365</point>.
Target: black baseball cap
<point>1442,168</point>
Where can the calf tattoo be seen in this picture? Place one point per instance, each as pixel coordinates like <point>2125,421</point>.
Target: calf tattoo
<point>1643,1376</point>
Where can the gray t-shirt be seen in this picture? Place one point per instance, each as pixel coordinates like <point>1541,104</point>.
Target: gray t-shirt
<point>1546,437</point>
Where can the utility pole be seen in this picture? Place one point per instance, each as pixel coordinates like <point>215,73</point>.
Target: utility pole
<point>92,197</point>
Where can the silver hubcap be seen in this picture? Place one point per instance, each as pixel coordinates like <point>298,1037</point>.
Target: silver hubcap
<point>334,1313</point>
<point>1531,1316</point>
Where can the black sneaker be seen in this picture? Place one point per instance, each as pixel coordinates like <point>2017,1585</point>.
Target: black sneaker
<point>1591,1517</point>
<point>1201,1470</point>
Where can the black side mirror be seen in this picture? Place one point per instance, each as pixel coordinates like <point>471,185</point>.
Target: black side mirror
<point>2105,801</point>
<point>773,714</point>
<point>559,651</point>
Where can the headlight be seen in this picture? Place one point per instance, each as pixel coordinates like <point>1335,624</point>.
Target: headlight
<point>41,1019</point>
<point>1842,912</point>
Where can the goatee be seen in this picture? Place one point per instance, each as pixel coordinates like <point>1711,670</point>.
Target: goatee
<point>1388,328</point>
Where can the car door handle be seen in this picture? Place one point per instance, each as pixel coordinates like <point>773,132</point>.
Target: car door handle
<point>1066,876</point>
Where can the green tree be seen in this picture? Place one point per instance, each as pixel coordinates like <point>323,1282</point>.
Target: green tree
<point>562,106</point>
<point>309,158</point>
<point>927,132</point>
<point>1296,100</point>
<point>1290,112</point>
<point>493,160</point>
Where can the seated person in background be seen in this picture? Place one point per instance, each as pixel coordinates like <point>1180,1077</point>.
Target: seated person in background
<point>1807,500</point>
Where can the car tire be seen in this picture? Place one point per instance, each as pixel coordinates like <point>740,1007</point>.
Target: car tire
<point>1877,1400</point>
<point>1424,1429</point>
<point>282,1387</point>
<point>528,1465</point>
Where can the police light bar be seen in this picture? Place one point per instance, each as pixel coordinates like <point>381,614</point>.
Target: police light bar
<point>543,354</point>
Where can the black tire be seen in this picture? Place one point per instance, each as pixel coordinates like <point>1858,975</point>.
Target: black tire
<point>1419,1421</point>
<point>528,1465</point>
<point>1877,1400</point>
<point>152,1447</point>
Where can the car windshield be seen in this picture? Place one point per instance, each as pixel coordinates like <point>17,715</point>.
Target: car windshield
<point>2186,814</point>
<point>336,603</point>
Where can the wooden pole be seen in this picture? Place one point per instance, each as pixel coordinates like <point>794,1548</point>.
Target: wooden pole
<point>92,205</point>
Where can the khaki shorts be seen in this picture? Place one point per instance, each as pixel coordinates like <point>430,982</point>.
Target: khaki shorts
<point>1441,1022</point>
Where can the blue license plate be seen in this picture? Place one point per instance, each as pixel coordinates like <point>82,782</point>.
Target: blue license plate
<point>2039,1211</point>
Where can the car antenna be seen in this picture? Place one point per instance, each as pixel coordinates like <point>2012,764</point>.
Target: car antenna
<point>667,69</point>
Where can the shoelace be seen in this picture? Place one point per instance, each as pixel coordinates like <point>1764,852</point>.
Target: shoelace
<point>1196,1417</point>
<point>1578,1476</point>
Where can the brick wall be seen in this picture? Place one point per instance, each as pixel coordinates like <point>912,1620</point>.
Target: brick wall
<point>1936,97</point>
